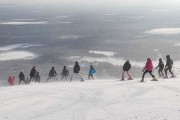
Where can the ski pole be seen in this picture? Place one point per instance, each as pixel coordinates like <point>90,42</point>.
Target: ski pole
<point>84,73</point>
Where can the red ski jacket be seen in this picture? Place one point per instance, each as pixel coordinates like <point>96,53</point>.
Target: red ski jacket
<point>149,65</point>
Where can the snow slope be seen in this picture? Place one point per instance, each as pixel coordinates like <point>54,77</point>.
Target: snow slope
<point>92,100</point>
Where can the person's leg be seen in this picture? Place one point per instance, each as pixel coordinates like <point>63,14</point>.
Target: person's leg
<point>162,73</point>
<point>130,78</point>
<point>30,78</point>
<point>55,78</point>
<point>143,75</point>
<point>159,72</point>
<point>62,77</point>
<point>92,77</point>
<point>154,79</point>
<point>170,70</point>
<point>150,72</point>
<point>166,72</point>
<point>65,77</point>
<point>19,81</point>
<point>122,75</point>
<point>81,77</point>
<point>24,81</point>
<point>33,77</point>
<point>89,77</point>
<point>48,78</point>
<point>71,77</point>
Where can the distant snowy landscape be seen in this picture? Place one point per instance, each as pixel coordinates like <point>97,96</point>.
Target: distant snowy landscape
<point>92,100</point>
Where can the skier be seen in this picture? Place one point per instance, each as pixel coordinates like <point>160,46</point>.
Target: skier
<point>148,69</point>
<point>64,73</point>
<point>161,68</point>
<point>76,70</point>
<point>21,77</point>
<point>11,80</point>
<point>168,66</point>
<point>32,73</point>
<point>37,77</point>
<point>52,74</point>
<point>91,72</point>
<point>126,68</point>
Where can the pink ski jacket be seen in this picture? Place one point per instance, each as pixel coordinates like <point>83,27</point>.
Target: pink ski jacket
<point>149,65</point>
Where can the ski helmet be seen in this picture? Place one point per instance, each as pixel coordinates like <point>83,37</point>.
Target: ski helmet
<point>167,56</point>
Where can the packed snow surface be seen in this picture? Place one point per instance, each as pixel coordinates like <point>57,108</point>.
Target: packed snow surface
<point>92,100</point>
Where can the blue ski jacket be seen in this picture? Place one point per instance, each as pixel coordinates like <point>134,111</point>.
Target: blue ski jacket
<point>91,71</point>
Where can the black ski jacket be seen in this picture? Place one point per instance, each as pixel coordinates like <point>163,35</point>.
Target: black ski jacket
<point>21,76</point>
<point>126,66</point>
<point>169,63</point>
<point>76,68</point>
<point>160,65</point>
<point>65,72</point>
<point>52,73</point>
<point>33,72</point>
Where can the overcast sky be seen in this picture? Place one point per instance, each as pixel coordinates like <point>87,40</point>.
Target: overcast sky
<point>121,2</point>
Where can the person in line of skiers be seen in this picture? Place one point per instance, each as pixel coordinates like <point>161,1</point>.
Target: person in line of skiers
<point>64,73</point>
<point>76,71</point>
<point>32,73</point>
<point>168,66</point>
<point>161,68</point>
<point>11,80</point>
<point>21,77</point>
<point>148,69</point>
<point>52,74</point>
<point>91,72</point>
<point>126,68</point>
<point>37,77</point>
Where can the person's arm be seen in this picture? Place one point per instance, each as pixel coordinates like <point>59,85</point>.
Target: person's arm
<point>158,65</point>
<point>144,68</point>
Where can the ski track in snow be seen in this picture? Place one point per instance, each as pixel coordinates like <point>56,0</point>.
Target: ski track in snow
<point>92,100</point>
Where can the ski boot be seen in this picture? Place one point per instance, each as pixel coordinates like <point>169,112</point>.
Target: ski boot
<point>142,80</point>
<point>122,79</point>
<point>130,79</point>
<point>82,80</point>
<point>173,76</point>
<point>71,80</point>
<point>154,79</point>
<point>165,77</point>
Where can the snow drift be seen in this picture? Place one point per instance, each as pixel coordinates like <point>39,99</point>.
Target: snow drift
<point>92,100</point>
